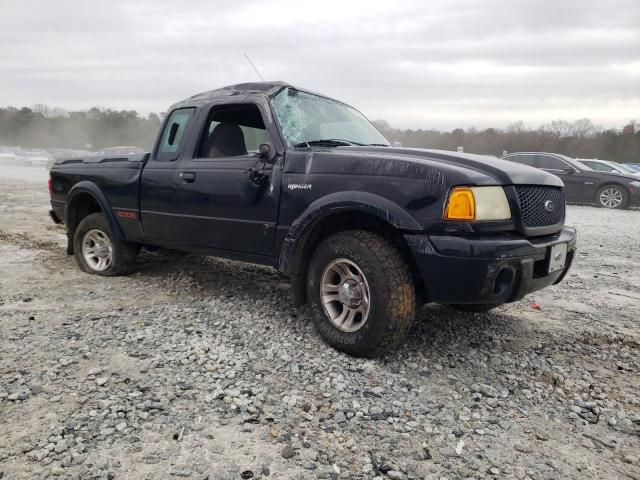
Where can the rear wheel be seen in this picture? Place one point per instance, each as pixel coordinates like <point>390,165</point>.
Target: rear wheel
<point>97,251</point>
<point>361,293</point>
<point>612,196</point>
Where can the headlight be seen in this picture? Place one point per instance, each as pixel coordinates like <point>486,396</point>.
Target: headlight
<point>635,183</point>
<point>471,204</point>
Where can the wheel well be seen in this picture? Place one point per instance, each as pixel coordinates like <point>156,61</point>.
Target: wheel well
<point>83,205</point>
<point>614,184</point>
<point>340,222</point>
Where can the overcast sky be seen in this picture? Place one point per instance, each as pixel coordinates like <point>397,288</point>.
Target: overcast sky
<point>415,63</point>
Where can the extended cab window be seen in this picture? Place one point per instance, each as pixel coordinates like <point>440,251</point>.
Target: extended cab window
<point>232,131</point>
<point>173,134</point>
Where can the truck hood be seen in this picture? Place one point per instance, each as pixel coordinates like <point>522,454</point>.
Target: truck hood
<point>461,168</point>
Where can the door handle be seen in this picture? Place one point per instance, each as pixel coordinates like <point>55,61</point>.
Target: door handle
<point>188,177</point>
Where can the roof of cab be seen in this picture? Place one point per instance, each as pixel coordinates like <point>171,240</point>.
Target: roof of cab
<point>260,89</point>
<point>255,88</point>
<point>264,88</point>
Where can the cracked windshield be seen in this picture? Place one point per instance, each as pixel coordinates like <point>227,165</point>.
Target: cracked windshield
<point>307,120</point>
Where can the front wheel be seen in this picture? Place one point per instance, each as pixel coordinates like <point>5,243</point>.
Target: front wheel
<point>612,196</point>
<point>361,293</point>
<point>97,251</point>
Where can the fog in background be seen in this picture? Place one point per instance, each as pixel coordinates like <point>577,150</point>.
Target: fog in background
<point>42,127</point>
<point>45,128</point>
<point>438,66</point>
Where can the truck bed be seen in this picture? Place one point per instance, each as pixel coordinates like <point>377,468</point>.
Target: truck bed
<point>115,181</point>
<point>137,159</point>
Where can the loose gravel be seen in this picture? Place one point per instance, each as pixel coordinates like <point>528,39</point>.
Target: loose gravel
<point>199,368</point>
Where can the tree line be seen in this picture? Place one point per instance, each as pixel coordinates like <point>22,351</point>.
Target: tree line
<point>93,129</point>
<point>43,127</point>
<point>580,139</point>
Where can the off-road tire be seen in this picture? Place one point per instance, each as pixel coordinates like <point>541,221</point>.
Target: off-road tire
<point>475,307</point>
<point>392,293</point>
<point>124,253</point>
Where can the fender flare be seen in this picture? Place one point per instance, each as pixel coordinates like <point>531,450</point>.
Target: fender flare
<point>344,201</point>
<point>90,188</point>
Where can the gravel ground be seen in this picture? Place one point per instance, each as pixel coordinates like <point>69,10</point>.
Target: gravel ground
<point>200,368</point>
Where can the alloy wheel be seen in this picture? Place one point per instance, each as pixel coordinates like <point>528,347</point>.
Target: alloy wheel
<point>611,197</point>
<point>345,295</point>
<point>97,250</point>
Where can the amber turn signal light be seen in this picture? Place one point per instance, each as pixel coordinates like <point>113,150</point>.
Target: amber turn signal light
<point>462,205</point>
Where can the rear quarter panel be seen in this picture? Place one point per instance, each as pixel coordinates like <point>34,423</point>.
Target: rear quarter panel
<point>118,181</point>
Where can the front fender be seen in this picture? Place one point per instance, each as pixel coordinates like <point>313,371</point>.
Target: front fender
<point>365,202</point>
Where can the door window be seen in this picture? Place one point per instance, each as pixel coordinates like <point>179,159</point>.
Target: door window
<point>232,131</point>
<point>173,134</point>
<point>551,163</point>
<point>600,167</point>
<point>524,159</point>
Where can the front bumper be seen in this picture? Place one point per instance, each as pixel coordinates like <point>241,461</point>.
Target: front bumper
<point>487,269</point>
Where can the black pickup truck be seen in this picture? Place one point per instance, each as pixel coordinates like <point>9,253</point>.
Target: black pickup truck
<point>275,175</point>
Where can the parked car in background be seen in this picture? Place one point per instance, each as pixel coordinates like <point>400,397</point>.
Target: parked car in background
<point>583,184</point>
<point>8,156</point>
<point>23,157</point>
<point>607,166</point>
<point>35,157</point>
<point>118,151</point>
<point>60,153</point>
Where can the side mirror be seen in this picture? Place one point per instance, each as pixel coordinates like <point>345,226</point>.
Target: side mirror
<point>568,171</point>
<point>267,153</point>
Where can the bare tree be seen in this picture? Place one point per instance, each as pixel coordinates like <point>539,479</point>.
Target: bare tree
<point>582,128</point>
<point>558,128</point>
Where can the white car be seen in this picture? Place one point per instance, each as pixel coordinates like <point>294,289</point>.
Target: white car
<point>8,156</point>
<point>35,157</point>
<point>607,166</point>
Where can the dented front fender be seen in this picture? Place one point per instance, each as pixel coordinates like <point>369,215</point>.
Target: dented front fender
<point>345,201</point>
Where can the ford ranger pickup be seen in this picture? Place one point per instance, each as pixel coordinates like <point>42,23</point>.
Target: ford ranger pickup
<point>276,175</point>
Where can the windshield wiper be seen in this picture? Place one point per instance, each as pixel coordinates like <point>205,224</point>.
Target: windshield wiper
<point>377,144</point>
<point>328,142</point>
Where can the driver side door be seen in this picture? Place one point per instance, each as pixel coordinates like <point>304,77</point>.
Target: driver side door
<point>217,206</point>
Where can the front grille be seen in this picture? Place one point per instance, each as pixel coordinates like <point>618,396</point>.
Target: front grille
<point>540,206</point>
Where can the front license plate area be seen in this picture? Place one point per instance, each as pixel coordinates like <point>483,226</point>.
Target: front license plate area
<point>558,257</point>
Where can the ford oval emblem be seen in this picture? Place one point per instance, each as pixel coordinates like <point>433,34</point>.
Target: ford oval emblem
<point>549,206</point>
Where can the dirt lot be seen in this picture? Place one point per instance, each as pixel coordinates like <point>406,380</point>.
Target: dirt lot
<point>199,368</point>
